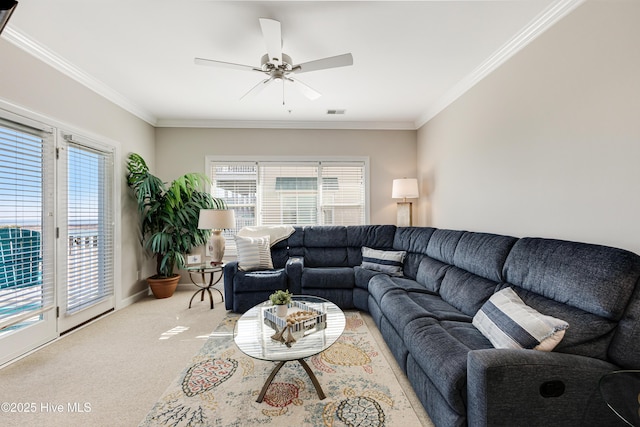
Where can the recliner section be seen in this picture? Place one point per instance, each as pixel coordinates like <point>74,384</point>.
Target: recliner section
<point>425,316</point>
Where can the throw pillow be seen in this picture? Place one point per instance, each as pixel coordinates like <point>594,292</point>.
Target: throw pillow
<point>508,322</point>
<point>276,233</point>
<point>390,262</point>
<point>253,253</point>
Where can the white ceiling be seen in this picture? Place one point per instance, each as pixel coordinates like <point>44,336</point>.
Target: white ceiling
<point>411,59</point>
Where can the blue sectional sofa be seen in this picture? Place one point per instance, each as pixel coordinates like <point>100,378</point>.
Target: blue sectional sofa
<point>426,315</point>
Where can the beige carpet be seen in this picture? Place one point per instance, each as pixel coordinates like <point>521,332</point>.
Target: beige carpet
<point>121,365</point>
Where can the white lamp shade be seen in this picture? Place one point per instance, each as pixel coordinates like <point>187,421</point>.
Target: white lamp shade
<point>216,219</point>
<point>405,188</point>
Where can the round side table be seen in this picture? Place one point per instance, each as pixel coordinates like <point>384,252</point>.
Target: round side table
<point>215,274</point>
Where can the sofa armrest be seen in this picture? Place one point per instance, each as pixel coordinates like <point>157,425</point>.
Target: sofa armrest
<point>230,270</point>
<point>529,387</point>
<point>293,268</point>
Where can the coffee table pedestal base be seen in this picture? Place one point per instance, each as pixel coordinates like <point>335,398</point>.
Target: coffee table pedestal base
<point>307,369</point>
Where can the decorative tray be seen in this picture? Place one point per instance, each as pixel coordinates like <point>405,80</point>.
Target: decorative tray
<point>290,321</point>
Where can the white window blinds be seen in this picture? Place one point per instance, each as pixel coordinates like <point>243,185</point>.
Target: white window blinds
<point>26,224</point>
<point>90,235</point>
<point>343,194</point>
<point>291,192</point>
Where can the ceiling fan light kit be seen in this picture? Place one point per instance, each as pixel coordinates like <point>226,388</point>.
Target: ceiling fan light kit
<point>279,66</point>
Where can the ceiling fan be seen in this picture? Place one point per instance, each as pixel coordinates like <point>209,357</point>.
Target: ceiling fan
<point>277,65</point>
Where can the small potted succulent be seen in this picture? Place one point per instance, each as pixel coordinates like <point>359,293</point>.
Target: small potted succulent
<point>281,300</point>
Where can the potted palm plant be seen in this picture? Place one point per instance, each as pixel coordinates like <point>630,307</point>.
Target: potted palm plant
<point>169,219</point>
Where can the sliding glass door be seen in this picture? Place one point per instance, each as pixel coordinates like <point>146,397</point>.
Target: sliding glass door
<point>27,237</point>
<point>57,234</point>
<point>87,234</point>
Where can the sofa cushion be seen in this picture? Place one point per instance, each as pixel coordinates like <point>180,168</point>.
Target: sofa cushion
<point>440,348</point>
<point>593,278</point>
<point>254,253</point>
<point>295,242</point>
<point>328,277</point>
<point>265,280</point>
<point>435,307</point>
<point>414,240</point>
<point>381,284</point>
<point>325,236</point>
<point>325,246</point>
<point>466,291</point>
<point>325,257</point>
<point>509,323</point>
<point>372,236</point>
<point>389,262</point>
<point>483,254</point>
<point>363,276</point>
<point>280,254</point>
<point>431,272</point>
<point>442,245</point>
<point>588,335</point>
<point>625,346</point>
<point>398,308</point>
<point>407,301</point>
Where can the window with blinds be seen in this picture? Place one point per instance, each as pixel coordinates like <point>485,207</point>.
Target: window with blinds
<point>90,236</point>
<point>291,192</point>
<point>26,257</point>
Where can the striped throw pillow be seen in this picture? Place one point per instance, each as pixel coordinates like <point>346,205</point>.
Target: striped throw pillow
<point>253,253</point>
<point>390,262</point>
<point>508,322</point>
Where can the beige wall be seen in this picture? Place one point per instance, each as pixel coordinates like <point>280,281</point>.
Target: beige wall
<point>391,153</point>
<point>34,86</point>
<point>549,143</point>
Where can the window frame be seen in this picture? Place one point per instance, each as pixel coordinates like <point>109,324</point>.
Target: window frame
<point>292,160</point>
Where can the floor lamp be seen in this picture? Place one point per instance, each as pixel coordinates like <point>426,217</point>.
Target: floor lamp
<point>405,188</point>
<point>216,220</point>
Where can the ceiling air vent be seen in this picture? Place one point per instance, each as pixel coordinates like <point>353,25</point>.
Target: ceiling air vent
<point>336,112</point>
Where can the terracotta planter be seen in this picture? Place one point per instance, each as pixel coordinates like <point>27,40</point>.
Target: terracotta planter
<point>163,287</point>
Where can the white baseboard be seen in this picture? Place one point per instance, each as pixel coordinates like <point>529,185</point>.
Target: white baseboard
<point>132,299</point>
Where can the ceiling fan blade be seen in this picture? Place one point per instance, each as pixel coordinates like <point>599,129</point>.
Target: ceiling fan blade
<point>272,33</point>
<point>325,63</point>
<point>257,88</point>
<point>213,63</point>
<point>305,89</point>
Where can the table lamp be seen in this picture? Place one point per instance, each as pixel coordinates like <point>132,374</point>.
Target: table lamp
<point>402,189</point>
<point>216,220</point>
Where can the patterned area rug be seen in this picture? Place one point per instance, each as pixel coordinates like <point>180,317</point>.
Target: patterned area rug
<point>221,384</point>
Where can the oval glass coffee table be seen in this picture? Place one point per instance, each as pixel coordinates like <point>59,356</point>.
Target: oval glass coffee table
<point>252,335</point>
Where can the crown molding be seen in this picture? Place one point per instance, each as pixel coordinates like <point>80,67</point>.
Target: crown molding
<point>60,64</point>
<point>283,124</point>
<point>65,67</point>
<point>545,20</point>
<point>556,11</point>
